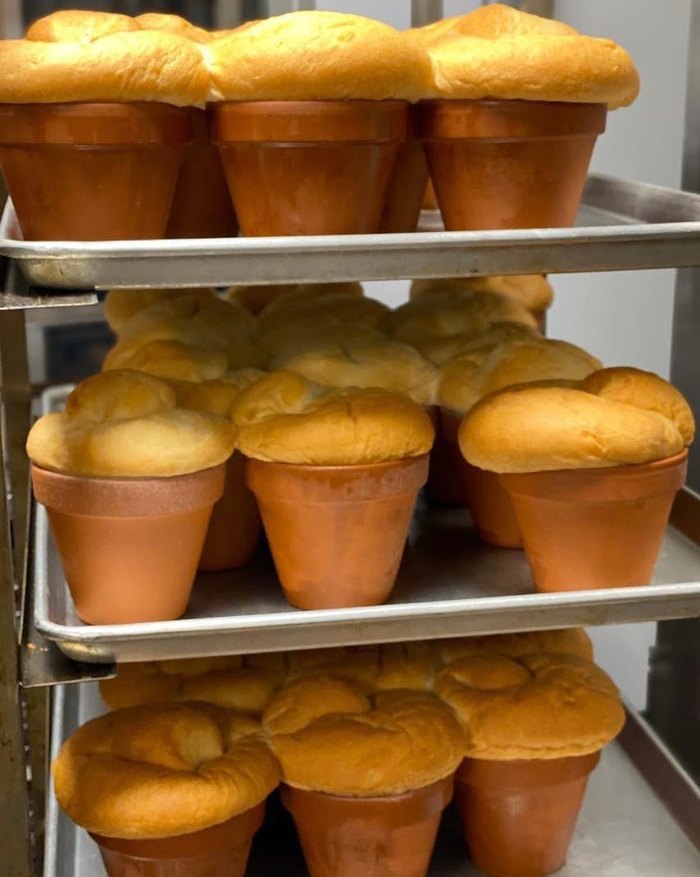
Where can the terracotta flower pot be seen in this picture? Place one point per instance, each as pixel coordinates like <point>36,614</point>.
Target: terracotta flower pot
<point>519,816</point>
<point>337,533</point>
<point>129,547</point>
<point>456,482</point>
<point>234,528</point>
<point>404,196</point>
<point>219,851</point>
<point>595,528</point>
<point>92,171</point>
<point>429,197</point>
<point>202,205</point>
<point>368,837</point>
<point>309,167</point>
<point>508,164</point>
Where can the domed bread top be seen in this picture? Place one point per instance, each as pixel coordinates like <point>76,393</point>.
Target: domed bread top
<point>331,738</point>
<point>643,390</point>
<point>173,24</point>
<point>215,396</point>
<point>536,706</point>
<point>256,298</point>
<point>464,381</point>
<point>168,358</point>
<point>358,664</point>
<point>442,348</point>
<point>532,290</point>
<point>285,418</point>
<point>285,341</point>
<point>498,52</point>
<point>333,308</point>
<point>318,55</point>
<point>534,428</point>
<point>411,665</point>
<point>451,313</point>
<point>124,424</point>
<point>78,26</point>
<point>390,365</point>
<point>572,641</point>
<point>134,65</point>
<point>154,771</point>
<point>121,304</point>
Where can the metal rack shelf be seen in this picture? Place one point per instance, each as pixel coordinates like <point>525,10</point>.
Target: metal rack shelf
<point>622,226</point>
<point>624,827</point>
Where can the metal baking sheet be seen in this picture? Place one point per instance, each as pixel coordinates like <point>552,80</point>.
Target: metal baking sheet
<point>624,829</point>
<point>621,225</point>
<point>450,584</point>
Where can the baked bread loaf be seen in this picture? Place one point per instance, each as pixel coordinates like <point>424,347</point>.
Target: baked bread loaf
<point>154,771</point>
<point>79,26</point>
<point>532,290</point>
<point>123,65</point>
<point>339,308</point>
<point>224,682</point>
<point>450,313</point>
<point>411,666</point>
<point>125,424</point>
<point>570,641</point>
<point>318,55</point>
<point>173,24</point>
<point>331,738</point>
<point>536,706</point>
<point>120,305</point>
<point>169,358</point>
<point>440,349</point>
<point>464,381</point>
<point>614,417</point>
<point>499,52</point>
<point>217,396</point>
<point>356,664</point>
<point>285,418</point>
<point>282,342</point>
<point>389,365</point>
<point>256,298</point>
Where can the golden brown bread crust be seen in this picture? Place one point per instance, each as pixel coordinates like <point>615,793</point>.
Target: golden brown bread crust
<point>124,66</point>
<point>571,641</point>
<point>173,24</point>
<point>120,305</point>
<point>284,418</point>
<point>317,55</point>
<point>332,308</point>
<point>409,666</point>
<point>538,428</point>
<point>77,26</point>
<point>443,348</point>
<point>216,396</point>
<point>356,664</point>
<point>331,738</point>
<point>256,298</point>
<point>498,52</point>
<point>532,290</point>
<point>125,424</point>
<point>464,381</point>
<point>168,358</point>
<point>453,313</point>
<point>387,364</point>
<point>537,706</point>
<point>160,770</point>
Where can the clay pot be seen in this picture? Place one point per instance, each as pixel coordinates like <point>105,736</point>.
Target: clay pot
<point>202,205</point>
<point>595,528</point>
<point>309,167</point>
<point>519,817</point>
<point>429,197</point>
<point>234,528</point>
<point>368,837</point>
<point>219,851</point>
<point>337,533</point>
<point>129,546</point>
<point>92,171</point>
<point>406,188</point>
<point>508,164</point>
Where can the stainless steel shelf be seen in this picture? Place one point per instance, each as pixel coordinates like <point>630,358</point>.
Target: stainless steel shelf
<point>450,584</point>
<point>624,828</point>
<point>622,226</point>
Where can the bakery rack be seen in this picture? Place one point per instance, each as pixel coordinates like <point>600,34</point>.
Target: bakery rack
<point>642,815</point>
